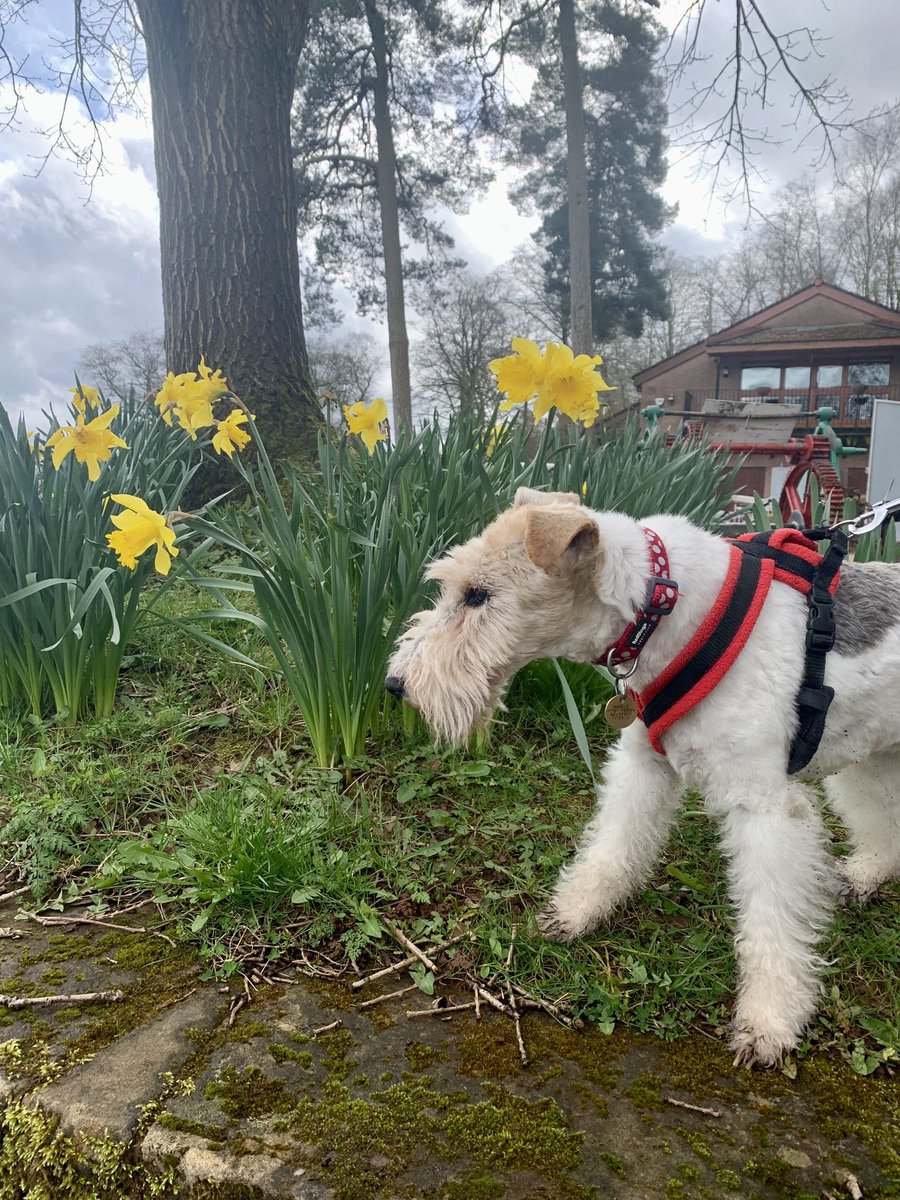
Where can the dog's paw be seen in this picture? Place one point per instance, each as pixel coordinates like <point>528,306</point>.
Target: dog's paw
<point>754,1048</point>
<point>859,881</point>
<point>560,923</point>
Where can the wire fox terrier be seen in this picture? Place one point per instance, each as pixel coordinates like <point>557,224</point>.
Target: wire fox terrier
<point>549,578</point>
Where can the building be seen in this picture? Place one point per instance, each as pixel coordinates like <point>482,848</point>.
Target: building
<point>820,347</point>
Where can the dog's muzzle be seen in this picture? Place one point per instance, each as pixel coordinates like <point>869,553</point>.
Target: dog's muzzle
<point>394,685</point>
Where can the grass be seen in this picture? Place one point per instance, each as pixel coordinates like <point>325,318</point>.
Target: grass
<point>202,789</point>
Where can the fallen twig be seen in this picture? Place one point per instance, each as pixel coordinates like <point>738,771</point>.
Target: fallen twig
<point>327,1028</point>
<point>410,946</point>
<point>93,921</point>
<point>237,1003</point>
<point>477,1002</point>
<point>71,998</point>
<point>547,1005</point>
<point>18,892</point>
<point>707,1112</point>
<point>413,987</point>
<point>414,1013</point>
<point>518,1020</point>
<point>493,1001</point>
<point>7,931</point>
<point>393,968</point>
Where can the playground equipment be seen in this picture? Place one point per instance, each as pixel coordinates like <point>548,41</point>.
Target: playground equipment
<point>814,456</point>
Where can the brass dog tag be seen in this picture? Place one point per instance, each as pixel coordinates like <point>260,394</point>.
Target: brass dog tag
<point>620,711</point>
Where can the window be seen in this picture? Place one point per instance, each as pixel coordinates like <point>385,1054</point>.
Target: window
<point>829,376</point>
<point>796,378</point>
<point>859,407</point>
<point>866,375</point>
<point>760,377</point>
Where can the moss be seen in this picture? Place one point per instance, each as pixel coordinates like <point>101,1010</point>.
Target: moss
<point>282,1054</point>
<point>612,1162</point>
<point>688,1170</point>
<point>338,1045</point>
<point>71,1012</point>
<point>249,1093</point>
<point>866,1108</point>
<point>644,1091</point>
<point>53,977</point>
<point>695,1141</point>
<point>589,1095</point>
<point>475,1184</point>
<point>331,995</point>
<point>213,1133</point>
<point>410,1122</point>
<point>37,1161</point>
<point>730,1180</point>
<point>61,947</point>
<point>421,1055</point>
<point>489,1051</point>
<point>246,1031</point>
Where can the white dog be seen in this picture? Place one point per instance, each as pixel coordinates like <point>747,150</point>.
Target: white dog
<point>549,578</point>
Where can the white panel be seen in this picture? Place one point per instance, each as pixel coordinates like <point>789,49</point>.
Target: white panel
<point>884,453</point>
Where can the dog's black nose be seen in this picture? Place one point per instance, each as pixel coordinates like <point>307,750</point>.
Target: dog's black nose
<point>394,685</point>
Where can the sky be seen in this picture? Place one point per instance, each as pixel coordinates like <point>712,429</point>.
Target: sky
<point>79,268</point>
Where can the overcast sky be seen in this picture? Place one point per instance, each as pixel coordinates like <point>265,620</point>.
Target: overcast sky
<point>76,270</point>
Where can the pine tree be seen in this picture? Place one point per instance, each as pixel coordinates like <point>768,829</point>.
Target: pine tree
<point>624,121</point>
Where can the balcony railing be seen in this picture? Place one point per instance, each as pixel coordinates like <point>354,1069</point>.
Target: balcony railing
<point>853,405</point>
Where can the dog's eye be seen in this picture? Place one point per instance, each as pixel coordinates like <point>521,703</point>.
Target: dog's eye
<point>475,597</point>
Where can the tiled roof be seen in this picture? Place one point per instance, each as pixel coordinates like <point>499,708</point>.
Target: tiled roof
<point>856,331</point>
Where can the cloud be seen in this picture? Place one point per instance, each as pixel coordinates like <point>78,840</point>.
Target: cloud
<point>78,268</point>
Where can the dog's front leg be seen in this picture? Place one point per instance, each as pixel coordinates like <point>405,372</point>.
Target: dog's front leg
<point>784,885</point>
<point>637,799</point>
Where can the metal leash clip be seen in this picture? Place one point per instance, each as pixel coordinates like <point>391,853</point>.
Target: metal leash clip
<point>871,519</point>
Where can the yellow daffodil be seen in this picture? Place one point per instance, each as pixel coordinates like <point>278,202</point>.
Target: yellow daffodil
<point>82,396</point>
<point>190,397</point>
<point>571,384</point>
<point>137,530</point>
<point>494,440</point>
<point>555,378</point>
<point>367,421</point>
<point>229,436</point>
<point>93,442</point>
<point>519,374</point>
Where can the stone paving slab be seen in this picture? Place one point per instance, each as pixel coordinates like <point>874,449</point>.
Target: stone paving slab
<point>105,1096</point>
<point>388,1108</point>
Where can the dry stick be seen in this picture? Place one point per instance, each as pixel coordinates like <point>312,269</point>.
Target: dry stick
<point>237,1004</point>
<point>18,892</point>
<point>493,1001</point>
<point>707,1112</point>
<point>410,946</point>
<point>406,962</point>
<point>93,921</point>
<point>439,1012</point>
<point>477,1002</point>
<point>72,998</point>
<point>547,1005</point>
<point>327,1028</point>
<point>413,987</point>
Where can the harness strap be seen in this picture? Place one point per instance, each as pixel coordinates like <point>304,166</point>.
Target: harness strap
<point>814,697</point>
<point>709,655</point>
<point>789,557</point>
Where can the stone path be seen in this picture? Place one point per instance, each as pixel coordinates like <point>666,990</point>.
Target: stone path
<point>158,1096</point>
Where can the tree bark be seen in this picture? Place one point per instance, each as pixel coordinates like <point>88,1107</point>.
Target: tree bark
<point>222,77</point>
<point>398,340</point>
<point>576,166</point>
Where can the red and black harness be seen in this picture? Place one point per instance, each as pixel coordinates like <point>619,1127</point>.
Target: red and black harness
<point>785,555</point>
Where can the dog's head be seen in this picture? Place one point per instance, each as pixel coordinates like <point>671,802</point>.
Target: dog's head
<point>539,582</point>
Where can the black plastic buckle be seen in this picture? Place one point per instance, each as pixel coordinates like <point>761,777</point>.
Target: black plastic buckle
<point>820,625</point>
<point>650,609</point>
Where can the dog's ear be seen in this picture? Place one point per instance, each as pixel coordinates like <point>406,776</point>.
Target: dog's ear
<point>552,532</point>
<point>526,495</point>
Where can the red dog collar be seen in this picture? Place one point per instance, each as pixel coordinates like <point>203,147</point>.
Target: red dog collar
<point>660,599</point>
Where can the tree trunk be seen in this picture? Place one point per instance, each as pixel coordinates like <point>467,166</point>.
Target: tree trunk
<point>398,340</point>
<point>222,77</point>
<point>576,166</point>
